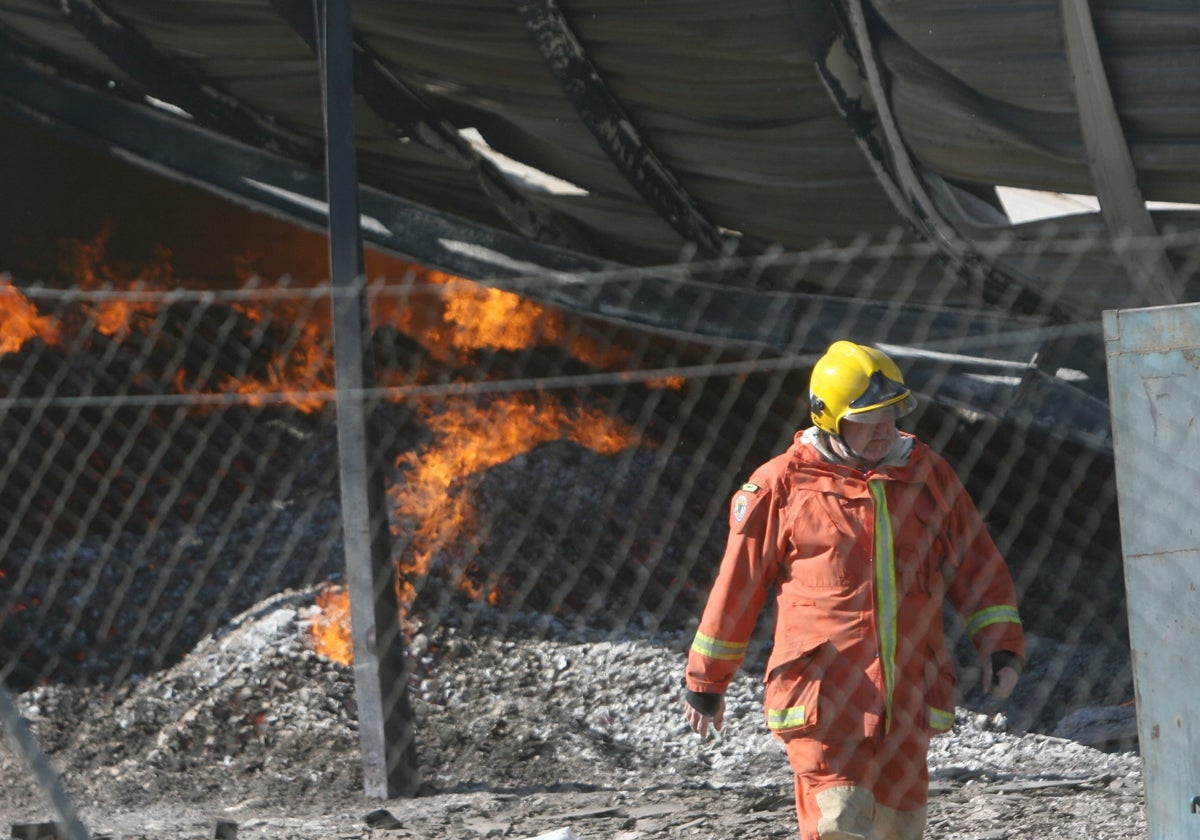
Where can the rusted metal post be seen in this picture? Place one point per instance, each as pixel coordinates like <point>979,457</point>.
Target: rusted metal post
<point>384,716</point>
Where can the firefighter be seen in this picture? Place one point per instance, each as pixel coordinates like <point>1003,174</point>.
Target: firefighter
<point>859,532</point>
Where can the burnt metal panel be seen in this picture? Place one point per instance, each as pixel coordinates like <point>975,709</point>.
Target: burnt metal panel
<point>975,95</point>
<point>690,300</point>
<point>851,66</point>
<point>613,129</point>
<point>170,82</point>
<point>1154,378</point>
<point>401,107</point>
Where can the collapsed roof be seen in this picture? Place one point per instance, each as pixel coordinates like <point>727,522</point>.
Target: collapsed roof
<point>497,140</point>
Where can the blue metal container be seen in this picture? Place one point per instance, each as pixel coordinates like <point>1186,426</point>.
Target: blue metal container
<point>1153,358</point>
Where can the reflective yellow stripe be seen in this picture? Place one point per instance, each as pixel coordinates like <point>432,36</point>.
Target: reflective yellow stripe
<point>717,649</point>
<point>785,718</point>
<point>885,595</point>
<point>992,615</point>
<point>941,720</point>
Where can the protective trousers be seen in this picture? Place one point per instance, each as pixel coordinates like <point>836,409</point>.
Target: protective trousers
<point>861,789</point>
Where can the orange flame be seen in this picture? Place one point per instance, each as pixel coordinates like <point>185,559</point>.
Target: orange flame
<point>487,317</point>
<point>116,317</point>
<point>471,439</point>
<point>330,625</point>
<point>436,490</point>
<point>302,363</point>
<point>306,367</point>
<point>474,317</point>
<point>20,321</point>
<point>85,263</point>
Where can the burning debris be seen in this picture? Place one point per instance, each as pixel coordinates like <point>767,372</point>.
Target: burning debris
<point>435,491</point>
<point>156,435</point>
<point>173,616</point>
<point>21,322</point>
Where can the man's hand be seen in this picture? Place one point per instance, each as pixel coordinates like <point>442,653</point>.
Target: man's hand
<point>999,683</point>
<point>700,722</point>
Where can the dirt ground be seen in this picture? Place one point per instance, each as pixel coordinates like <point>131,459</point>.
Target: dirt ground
<point>253,735</point>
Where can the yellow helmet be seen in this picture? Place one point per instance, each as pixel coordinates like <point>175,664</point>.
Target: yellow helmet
<point>851,380</point>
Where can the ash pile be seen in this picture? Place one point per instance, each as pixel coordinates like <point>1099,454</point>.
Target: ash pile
<point>515,736</point>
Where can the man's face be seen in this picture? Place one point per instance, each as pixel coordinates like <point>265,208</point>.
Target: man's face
<point>871,441</point>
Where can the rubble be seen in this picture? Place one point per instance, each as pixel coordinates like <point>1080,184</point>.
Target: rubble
<point>576,735</point>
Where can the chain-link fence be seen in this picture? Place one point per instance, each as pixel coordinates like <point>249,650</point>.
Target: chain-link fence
<point>170,455</point>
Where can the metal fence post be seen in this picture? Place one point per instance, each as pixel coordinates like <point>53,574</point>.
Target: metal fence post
<point>384,716</point>
<point>19,736</point>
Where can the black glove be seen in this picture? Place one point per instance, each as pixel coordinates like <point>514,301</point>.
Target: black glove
<point>1005,659</point>
<point>704,702</point>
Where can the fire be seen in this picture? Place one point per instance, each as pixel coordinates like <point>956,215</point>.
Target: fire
<point>20,321</point>
<point>484,317</point>
<point>301,363</point>
<point>435,492</point>
<point>330,629</point>
<point>472,439</point>
<point>434,501</point>
<point>86,264</point>
<point>475,317</point>
<point>292,362</point>
<point>306,368</point>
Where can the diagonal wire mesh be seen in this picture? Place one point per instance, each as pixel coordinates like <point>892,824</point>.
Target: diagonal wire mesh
<point>169,454</point>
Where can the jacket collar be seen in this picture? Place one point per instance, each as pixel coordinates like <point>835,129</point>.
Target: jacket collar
<point>898,456</point>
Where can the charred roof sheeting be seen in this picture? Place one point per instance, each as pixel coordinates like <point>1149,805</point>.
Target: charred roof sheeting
<point>1013,86</point>
<point>724,94</point>
<point>412,119</point>
<point>727,98</point>
<point>612,128</point>
<point>169,81</point>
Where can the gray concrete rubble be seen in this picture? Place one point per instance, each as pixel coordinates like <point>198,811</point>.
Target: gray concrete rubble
<point>562,736</point>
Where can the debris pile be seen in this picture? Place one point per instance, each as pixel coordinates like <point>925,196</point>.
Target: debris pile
<point>519,736</point>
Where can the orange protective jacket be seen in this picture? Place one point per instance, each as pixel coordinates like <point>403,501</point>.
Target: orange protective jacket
<point>859,565</point>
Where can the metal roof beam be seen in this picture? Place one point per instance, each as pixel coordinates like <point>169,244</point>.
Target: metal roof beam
<point>400,107</point>
<point>1111,163</point>
<point>852,39</point>
<point>175,85</point>
<point>603,115</point>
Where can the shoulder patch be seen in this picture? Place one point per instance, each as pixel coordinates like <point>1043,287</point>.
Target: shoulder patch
<point>745,505</point>
<point>741,504</point>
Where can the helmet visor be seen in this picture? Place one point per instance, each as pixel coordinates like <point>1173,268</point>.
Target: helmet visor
<point>882,397</point>
<point>895,411</point>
